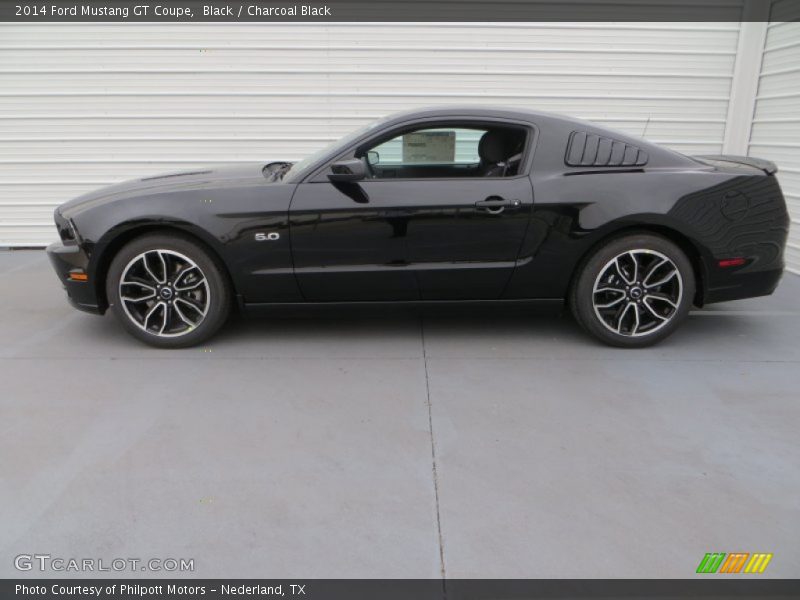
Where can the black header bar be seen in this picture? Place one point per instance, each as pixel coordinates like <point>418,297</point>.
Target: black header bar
<point>193,11</point>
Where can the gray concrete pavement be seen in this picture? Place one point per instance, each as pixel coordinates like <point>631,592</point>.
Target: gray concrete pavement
<point>376,444</point>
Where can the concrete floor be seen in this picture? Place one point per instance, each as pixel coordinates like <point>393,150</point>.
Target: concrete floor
<point>385,444</point>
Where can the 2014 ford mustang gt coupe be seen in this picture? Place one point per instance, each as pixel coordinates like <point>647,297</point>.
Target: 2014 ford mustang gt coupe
<point>452,204</point>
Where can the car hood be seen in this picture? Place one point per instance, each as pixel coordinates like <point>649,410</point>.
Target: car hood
<point>202,178</point>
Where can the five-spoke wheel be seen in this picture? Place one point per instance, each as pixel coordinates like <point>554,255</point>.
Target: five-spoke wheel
<point>634,290</point>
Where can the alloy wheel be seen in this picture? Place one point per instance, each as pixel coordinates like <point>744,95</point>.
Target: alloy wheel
<point>164,293</point>
<point>637,292</point>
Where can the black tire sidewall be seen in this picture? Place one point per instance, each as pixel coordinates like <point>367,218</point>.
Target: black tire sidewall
<point>581,294</point>
<point>220,300</point>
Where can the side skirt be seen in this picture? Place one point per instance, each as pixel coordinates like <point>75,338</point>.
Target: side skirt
<point>536,306</point>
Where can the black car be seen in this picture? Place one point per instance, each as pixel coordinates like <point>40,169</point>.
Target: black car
<point>453,204</point>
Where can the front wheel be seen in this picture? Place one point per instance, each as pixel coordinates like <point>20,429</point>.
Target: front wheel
<point>168,291</point>
<point>634,291</point>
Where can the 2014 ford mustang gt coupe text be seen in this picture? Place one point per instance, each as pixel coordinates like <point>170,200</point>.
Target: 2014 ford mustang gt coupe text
<point>437,205</point>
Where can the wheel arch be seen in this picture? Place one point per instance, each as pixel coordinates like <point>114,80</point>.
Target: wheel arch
<point>693,252</point>
<point>115,240</point>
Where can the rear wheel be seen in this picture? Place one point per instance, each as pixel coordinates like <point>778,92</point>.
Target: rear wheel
<point>634,291</point>
<point>168,291</point>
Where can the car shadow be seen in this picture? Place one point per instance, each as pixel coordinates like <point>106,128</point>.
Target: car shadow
<point>401,333</point>
<point>476,327</point>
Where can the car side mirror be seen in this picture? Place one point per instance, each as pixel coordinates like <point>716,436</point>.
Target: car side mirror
<point>348,170</point>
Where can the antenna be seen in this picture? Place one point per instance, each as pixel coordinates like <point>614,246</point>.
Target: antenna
<point>646,124</point>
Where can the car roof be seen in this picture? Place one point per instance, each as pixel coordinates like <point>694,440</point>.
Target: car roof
<point>483,110</point>
<point>562,123</point>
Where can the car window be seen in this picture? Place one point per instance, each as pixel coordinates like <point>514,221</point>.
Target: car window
<point>431,146</point>
<point>446,152</point>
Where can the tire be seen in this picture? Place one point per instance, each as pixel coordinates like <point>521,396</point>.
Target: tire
<point>633,291</point>
<point>176,294</point>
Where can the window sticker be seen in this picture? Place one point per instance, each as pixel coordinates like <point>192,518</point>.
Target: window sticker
<point>423,147</point>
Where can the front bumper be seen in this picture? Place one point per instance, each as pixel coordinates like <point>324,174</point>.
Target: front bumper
<point>67,259</point>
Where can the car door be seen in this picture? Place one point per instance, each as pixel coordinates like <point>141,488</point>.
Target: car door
<point>432,231</point>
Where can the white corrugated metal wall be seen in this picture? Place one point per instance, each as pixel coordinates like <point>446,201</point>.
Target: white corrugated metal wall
<point>86,105</point>
<point>776,122</point>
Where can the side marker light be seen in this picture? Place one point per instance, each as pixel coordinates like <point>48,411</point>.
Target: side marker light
<point>731,262</point>
<point>77,276</point>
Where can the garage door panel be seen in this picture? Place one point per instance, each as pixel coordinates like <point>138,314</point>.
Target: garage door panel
<point>96,104</point>
<point>782,33</point>
<point>783,56</point>
<point>784,107</point>
<point>782,130</point>
<point>519,81</point>
<point>371,103</point>
<point>246,126</point>
<point>624,35</point>
<point>90,150</point>
<point>489,57</point>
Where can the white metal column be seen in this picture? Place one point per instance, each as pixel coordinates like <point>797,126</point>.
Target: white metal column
<point>744,86</point>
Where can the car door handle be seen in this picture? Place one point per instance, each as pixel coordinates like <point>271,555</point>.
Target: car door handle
<point>495,204</point>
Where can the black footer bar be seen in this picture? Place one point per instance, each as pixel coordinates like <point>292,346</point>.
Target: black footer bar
<point>397,589</point>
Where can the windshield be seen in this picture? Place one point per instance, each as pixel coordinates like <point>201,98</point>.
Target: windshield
<point>301,165</point>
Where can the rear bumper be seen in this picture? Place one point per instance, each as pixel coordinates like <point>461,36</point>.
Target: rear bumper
<point>81,294</point>
<point>745,285</point>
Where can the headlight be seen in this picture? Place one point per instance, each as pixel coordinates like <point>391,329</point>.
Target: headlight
<point>66,228</point>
